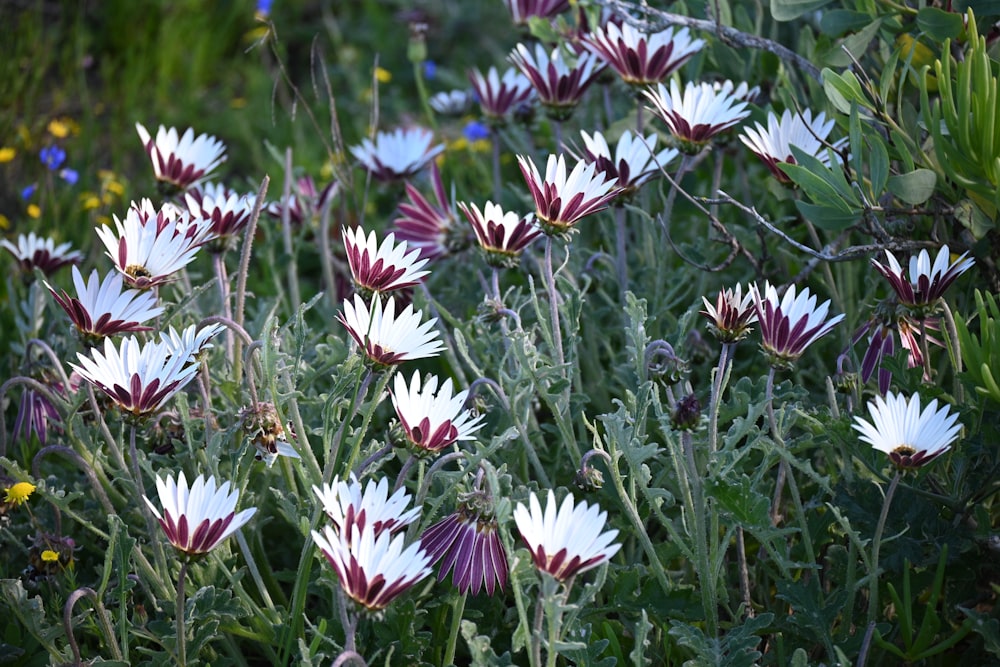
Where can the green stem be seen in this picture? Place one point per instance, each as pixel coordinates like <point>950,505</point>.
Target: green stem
<point>876,546</point>
<point>718,384</point>
<point>359,440</point>
<point>179,609</point>
<point>456,624</point>
<point>621,251</point>
<point>706,574</point>
<point>550,285</point>
<point>338,439</point>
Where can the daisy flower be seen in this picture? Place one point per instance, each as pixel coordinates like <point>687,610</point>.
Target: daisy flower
<point>191,341</point>
<point>523,10</point>
<point>198,518</point>
<point>924,284</point>
<point>373,569</point>
<point>731,316</point>
<point>32,251</point>
<point>352,507</point>
<point>101,308</point>
<point>138,378</point>
<point>912,438</point>
<point>789,324</point>
<point>181,162</point>
<point>566,541</point>
<point>386,338</point>
<point>502,236</point>
<point>561,200</point>
<point>642,58</point>
<point>451,103</point>
<point>426,225</point>
<point>698,113</point>
<point>433,419</point>
<point>634,162</point>
<point>559,85</point>
<point>382,268</point>
<point>398,154</point>
<point>773,143</point>
<point>499,96</point>
<point>224,212</point>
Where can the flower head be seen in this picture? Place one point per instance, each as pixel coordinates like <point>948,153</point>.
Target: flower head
<point>181,162</point>
<point>523,10</point>
<point>561,200</point>
<point>773,144</point>
<point>386,338</point>
<point>451,103</point>
<point>433,419</point>
<point>304,202</point>
<point>634,162</point>
<point>224,212</point>
<point>139,378</point>
<point>352,507</point>
<point>642,58</point>
<point>382,268</point>
<point>19,493</point>
<point>198,518</point>
<point>36,414</point>
<point>560,85</point>
<point>150,247</point>
<point>699,113</point>
<point>731,316</point>
<point>33,251</point>
<point>925,283</point>
<point>502,236</point>
<point>191,341</point>
<point>373,568</point>
<point>789,324</point>
<point>101,308</point>
<point>468,542</point>
<point>911,437</point>
<point>52,157</point>
<point>267,434</point>
<point>499,96</point>
<point>398,154</point>
<point>566,541</point>
<point>426,225</point>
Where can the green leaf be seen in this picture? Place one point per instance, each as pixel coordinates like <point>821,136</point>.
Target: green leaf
<point>938,24</point>
<point>843,89</point>
<point>878,166</point>
<point>855,44</point>
<point>737,648</point>
<point>788,10</point>
<point>838,22</point>
<point>915,187</point>
<point>973,218</point>
<point>828,218</point>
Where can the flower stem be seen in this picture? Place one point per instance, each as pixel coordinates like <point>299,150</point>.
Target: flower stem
<point>158,555</point>
<point>286,235</point>
<point>359,441</point>
<point>621,249</point>
<point>456,623</point>
<point>219,264</point>
<point>244,271</point>
<point>339,437</point>
<point>876,546</point>
<point>779,483</point>
<point>718,383</point>
<point>550,284</point>
<point>495,136</point>
<point>179,610</point>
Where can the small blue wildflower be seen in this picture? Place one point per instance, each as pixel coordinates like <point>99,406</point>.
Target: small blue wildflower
<point>52,157</point>
<point>71,176</point>
<point>430,69</point>
<point>29,191</point>
<point>476,131</point>
<point>264,7</point>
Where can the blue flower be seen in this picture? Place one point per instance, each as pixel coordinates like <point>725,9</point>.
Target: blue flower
<point>71,176</point>
<point>29,191</point>
<point>476,131</point>
<point>430,69</point>
<point>264,7</point>
<point>52,157</point>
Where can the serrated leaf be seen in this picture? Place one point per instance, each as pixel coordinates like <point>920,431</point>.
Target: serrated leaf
<point>915,187</point>
<point>737,648</point>
<point>480,651</point>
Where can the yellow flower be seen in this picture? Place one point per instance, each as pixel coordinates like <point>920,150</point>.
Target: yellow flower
<point>238,102</point>
<point>34,211</point>
<point>90,200</point>
<point>50,556</point>
<point>481,145</point>
<point>4,222</point>
<point>19,493</point>
<point>7,154</point>
<point>58,129</point>
<point>383,75</point>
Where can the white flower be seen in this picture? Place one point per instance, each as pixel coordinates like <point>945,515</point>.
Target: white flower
<point>635,160</point>
<point>139,378</point>
<point>388,339</point>
<point>353,507</point>
<point>102,309</point>
<point>641,58</point>
<point>926,282</point>
<point>731,316</point>
<point>385,267</point>
<point>698,113</point>
<point>559,86</point>
<point>192,340</point>
<point>451,103</point>
<point>183,161</point>
<point>224,212</point>
<point>398,154</point>
<point>199,518</point>
<point>373,569</point>
<point>498,96</point>
<point>561,200</point>
<point>503,236</point>
<point>433,419</point>
<point>567,541</point>
<point>773,144</point>
<point>33,251</point>
<point>911,437</point>
<point>791,323</point>
<point>149,250</point>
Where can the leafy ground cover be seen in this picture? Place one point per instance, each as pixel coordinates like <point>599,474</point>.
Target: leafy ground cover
<point>499,332</point>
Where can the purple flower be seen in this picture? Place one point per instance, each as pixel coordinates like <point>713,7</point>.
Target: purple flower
<point>71,176</point>
<point>52,157</point>
<point>476,131</point>
<point>789,324</point>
